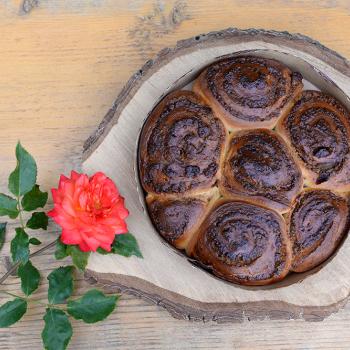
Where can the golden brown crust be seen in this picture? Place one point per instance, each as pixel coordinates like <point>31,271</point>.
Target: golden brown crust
<point>244,243</point>
<point>178,219</point>
<point>317,224</point>
<point>318,130</point>
<point>180,146</point>
<point>175,219</point>
<point>259,168</point>
<point>249,91</point>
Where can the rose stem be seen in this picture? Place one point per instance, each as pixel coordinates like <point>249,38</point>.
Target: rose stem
<point>15,266</point>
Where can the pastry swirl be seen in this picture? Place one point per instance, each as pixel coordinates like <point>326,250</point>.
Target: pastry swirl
<point>318,129</point>
<point>181,146</point>
<point>244,243</point>
<point>248,91</point>
<point>318,222</point>
<point>177,220</point>
<point>259,167</point>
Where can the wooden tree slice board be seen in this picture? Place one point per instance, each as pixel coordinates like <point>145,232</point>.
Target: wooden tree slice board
<point>165,276</point>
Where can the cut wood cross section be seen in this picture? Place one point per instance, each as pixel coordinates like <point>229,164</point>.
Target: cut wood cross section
<point>165,276</point>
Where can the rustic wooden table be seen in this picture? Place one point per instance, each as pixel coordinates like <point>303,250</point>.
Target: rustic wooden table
<point>62,64</point>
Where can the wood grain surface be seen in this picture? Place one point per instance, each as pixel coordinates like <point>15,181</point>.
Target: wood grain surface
<point>62,64</point>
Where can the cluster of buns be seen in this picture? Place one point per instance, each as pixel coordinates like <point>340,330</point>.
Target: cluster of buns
<point>248,173</point>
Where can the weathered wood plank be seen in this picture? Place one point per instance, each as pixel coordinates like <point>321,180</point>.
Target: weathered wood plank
<point>62,65</point>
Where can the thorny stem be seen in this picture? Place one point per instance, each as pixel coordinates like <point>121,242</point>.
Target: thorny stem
<point>61,307</point>
<point>15,266</point>
<point>11,294</point>
<point>20,213</point>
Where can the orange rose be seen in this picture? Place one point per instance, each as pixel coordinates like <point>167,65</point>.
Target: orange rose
<point>89,210</point>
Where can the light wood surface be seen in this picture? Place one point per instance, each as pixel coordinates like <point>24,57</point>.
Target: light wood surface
<point>62,65</point>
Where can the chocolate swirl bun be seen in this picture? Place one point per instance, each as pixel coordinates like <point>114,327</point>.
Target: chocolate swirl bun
<point>181,146</point>
<point>249,91</point>
<point>259,167</point>
<point>318,222</point>
<point>318,129</point>
<point>244,243</point>
<point>217,179</point>
<point>177,220</point>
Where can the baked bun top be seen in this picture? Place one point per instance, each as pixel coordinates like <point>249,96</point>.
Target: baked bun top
<point>244,243</point>
<point>317,223</point>
<point>260,168</point>
<point>249,91</point>
<point>181,146</point>
<point>318,131</point>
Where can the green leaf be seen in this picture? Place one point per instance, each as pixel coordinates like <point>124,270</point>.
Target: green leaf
<point>102,251</point>
<point>61,250</point>
<point>60,284</point>
<point>30,277</point>
<point>23,178</point>
<point>38,220</point>
<point>2,233</point>
<point>57,331</point>
<point>92,307</point>
<point>20,246</point>
<point>126,245</point>
<point>8,206</point>
<point>34,241</point>
<point>80,259</point>
<point>34,199</point>
<point>12,311</point>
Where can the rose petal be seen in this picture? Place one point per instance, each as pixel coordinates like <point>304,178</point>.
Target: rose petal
<point>84,247</point>
<point>92,242</point>
<point>71,237</point>
<point>62,181</point>
<point>56,196</point>
<point>68,207</point>
<point>74,175</point>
